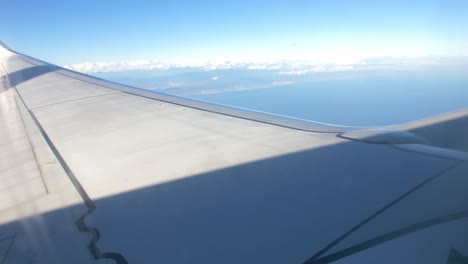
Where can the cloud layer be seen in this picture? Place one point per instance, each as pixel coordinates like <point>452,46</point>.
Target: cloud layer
<point>282,67</point>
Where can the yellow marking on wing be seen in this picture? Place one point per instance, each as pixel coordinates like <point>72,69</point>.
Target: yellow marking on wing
<point>48,163</point>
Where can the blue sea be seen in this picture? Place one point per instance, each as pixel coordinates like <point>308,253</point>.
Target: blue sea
<point>364,98</point>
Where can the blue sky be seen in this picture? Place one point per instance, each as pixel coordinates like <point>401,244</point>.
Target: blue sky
<point>68,32</point>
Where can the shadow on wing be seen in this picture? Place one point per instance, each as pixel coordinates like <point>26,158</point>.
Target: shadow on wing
<point>24,75</point>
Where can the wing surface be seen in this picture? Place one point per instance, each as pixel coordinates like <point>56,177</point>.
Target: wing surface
<point>97,171</point>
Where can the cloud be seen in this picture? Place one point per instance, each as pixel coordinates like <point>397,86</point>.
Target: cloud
<point>282,67</point>
<point>91,67</point>
<point>318,68</point>
<point>214,78</point>
<point>291,68</point>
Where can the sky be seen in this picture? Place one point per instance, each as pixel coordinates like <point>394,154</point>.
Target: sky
<point>73,32</point>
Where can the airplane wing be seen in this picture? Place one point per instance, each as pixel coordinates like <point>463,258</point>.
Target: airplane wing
<point>98,172</point>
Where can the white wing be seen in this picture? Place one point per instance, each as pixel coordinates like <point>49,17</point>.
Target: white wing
<point>154,178</point>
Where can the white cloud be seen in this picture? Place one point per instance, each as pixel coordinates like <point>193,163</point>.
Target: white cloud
<point>90,67</point>
<point>257,67</point>
<point>318,68</point>
<point>298,67</point>
<point>302,67</point>
<point>214,78</point>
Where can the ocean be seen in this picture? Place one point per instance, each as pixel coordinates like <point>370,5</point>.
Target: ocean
<point>354,98</point>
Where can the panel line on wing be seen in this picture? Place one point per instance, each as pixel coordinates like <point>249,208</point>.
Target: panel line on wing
<point>76,99</point>
<point>390,236</point>
<point>313,259</point>
<point>32,148</point>
<point>4,252</point>
<point>95,251</point>
<point>80,223</point>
